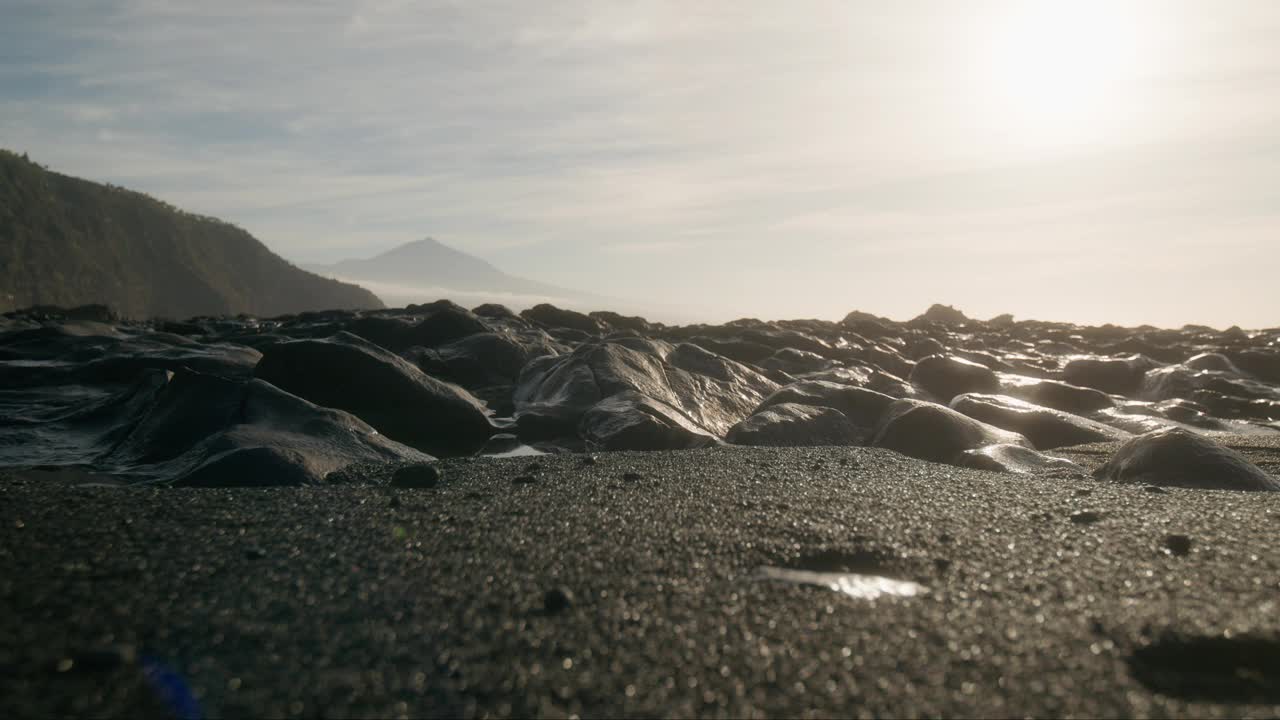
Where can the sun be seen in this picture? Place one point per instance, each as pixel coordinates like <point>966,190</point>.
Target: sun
<point>1062,71</point>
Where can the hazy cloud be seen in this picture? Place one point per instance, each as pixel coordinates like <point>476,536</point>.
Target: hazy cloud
<point>741,158</point>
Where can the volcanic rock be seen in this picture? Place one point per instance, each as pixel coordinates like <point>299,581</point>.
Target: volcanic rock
<point>946,376</point>
<point>929,431</point>
<point>1178,458</point>
<point>792,425</point>
<point>1044,427</point>
<point>1017,459</point>
<point>395,397</point>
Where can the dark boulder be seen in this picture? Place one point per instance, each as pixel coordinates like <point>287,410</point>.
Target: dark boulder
<point>946,376</point>
<point>624,322</point>
<point>1213,361</point>
<point>447,325</point>
<point>391,333</point>
<point>694,359</point>
<point>631,421</point>
<point>395,397</point>
<point>1179,458</point>
<point>1262,364</point>
<point>1110,375</point>
<point>922,347</point>
<point>437,328</point>
<point>742,351</point>
<point>494,311</point>
<point>487,358</point>
<point>551,316</point>
<point>929,431</point>
<point>1019,460</point>
<point>1044,427</point>
<point>943,315</point>
<point>203,430</point>
<point>1062,396</point>
<point>554,393</point>
<point>861,406</point>
<point>795,362</point>
<point>792,425</point>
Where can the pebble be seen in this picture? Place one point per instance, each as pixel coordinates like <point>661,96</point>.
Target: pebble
<point>417,476</point>
<point>1085,517</point>
<point>557,600</point>
<point>632,476</point>
<point>524,479</point>
<point>1178,545</point>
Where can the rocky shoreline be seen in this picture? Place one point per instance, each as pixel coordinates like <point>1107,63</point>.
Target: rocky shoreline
<point>441,511</point>
<point>298,400</point>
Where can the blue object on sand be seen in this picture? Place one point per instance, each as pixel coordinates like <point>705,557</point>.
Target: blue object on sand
<point>172,689</point>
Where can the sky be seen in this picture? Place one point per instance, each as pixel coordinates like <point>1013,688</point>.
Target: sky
<point>1085,160</point>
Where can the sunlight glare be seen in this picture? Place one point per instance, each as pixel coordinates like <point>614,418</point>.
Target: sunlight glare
<point>1063,72</point>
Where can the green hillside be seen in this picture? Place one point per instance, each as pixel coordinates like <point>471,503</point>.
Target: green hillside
<point>66,241</point>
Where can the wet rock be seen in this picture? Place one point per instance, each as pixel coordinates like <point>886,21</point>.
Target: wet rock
<point>1213,361</point>
<point>791,425</point>
<point>420,475</point>
<point>943,315</point>
<point>742,351</point>
<point>924,347</point>
<point>447,325</point>
<point>1110,375</point>
<point>795,362</point>
<point>660,349</point>
<point>482,359</point>
<point>1059,395</point>
<point>631,421</point>
<point>946,376</point>
<point>1178,458</point>
<point>208,431</point>
<point>861,406</point>
<point>1017,459</point>
<point>1262,364</point>
<point>551,316</point>
<point>382,389</point>
<point>929,431</point>
<point>494,311</point>
<point>613,319</point>
<point>694,359</point>
<point>553,394</point>
<point>1045,428</point>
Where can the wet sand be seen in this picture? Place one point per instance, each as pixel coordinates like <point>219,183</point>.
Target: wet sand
<point>632,587</point>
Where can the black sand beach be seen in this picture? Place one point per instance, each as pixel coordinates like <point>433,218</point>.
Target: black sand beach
<point>630,586</point>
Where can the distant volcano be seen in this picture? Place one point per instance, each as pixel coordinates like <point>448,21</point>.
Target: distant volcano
<point>428,269</point>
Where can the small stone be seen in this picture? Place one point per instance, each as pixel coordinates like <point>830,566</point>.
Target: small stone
<point>19,524</point>
<point>255,553</point>
<point>524,479</point>
<point>106,658</point>
<point>589,460</point>
<point>1085,517</point>
<point>394,501</point>
<point>632,476</point>
<point>557,600</point>
<point>1179,545</point>
<point>417,476</point>
<point>1081,492</point>
<point>1155,489</point>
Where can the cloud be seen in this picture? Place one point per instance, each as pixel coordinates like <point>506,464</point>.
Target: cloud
<point>649,148</point>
